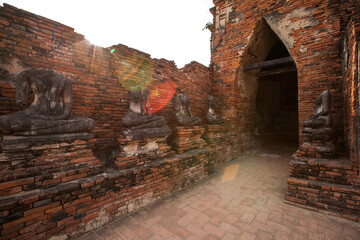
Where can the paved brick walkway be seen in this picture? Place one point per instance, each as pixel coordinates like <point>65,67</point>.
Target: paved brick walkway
<point>243,200</point>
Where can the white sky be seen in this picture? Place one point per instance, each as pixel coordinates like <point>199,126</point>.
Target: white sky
<point>170,29</point>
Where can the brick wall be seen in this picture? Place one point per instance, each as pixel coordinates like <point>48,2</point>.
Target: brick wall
<point>312,31</point>
<point>61,188</point>
<point>350,55</point>
<point>72,208</point>
<point>332,185</point>
<point>100,76</point>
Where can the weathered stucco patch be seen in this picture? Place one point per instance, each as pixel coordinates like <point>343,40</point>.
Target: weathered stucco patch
<point>130,149</point>
<point>303,49</point>
<point>135,148</point>
<point>285,26</point>
<point>242,49</point>
<point>11,63</point>
<point>149,147</point>
<point>102,219</point>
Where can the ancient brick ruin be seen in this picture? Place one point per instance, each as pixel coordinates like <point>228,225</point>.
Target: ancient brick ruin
<point>270,60</point>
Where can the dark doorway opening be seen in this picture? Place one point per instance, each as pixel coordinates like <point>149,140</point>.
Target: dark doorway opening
<point>277,99</point>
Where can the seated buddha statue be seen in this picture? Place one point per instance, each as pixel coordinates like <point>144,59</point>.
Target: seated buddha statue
<point>211,116</point>
<point>139,121</point>
<point>183,115</point>
<point>322,118</point>
<point>138,117</point>
<point>49,113</point>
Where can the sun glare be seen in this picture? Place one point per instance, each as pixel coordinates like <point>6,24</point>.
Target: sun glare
<point>229,173</point>
<point>134,71</point>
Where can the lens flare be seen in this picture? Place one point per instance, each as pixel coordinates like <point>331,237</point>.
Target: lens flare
<point>84,49</point>
<point>131,69</point>
<point>137,71</point>
<point>160,95</point>
<point>155,93</point>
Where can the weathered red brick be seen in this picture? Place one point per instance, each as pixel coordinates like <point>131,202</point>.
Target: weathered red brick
<point>297,181</point>
<point>16,183</point>
<point>90,217</point>
<point>22,220</point>
<point>28,199</point>
<point>41,209</point>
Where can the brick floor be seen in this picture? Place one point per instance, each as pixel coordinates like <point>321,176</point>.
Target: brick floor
<point>243,200</point>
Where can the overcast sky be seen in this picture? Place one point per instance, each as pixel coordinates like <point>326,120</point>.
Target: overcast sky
<point>170,29</point>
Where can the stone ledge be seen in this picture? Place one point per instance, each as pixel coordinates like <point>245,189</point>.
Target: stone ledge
<point>47,163</point>
<point>338,171</point>
<point>11,142</point>
<point>140,134</point>
<point>342,163</point>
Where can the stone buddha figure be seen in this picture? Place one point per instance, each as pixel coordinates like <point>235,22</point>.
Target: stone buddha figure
<point>139,121</point>
<point>211,116</point>
<point>322,118</point>
<point>49,113</point>
<point>183,115</point>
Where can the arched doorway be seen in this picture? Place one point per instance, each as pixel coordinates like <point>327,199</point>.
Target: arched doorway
<point>276,99</point>
<point>267,79</point>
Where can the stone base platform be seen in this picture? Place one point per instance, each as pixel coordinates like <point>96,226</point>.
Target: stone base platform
<point>215,134</point>
<point>338,199</point>
<point>318,143</point>
<point>135,153</point>
<point>324,170</point>
<point>324,184</point>
<point>321,182</point>
<point>36,162</point>
<point>187,138</point>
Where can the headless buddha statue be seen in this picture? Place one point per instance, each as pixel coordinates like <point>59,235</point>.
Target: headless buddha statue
<point>322,118</point>
<point>183,115</point>
<point>49,113</point>
<point>138,117</point>
<point>211,116</point>
<point>139,122</point>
